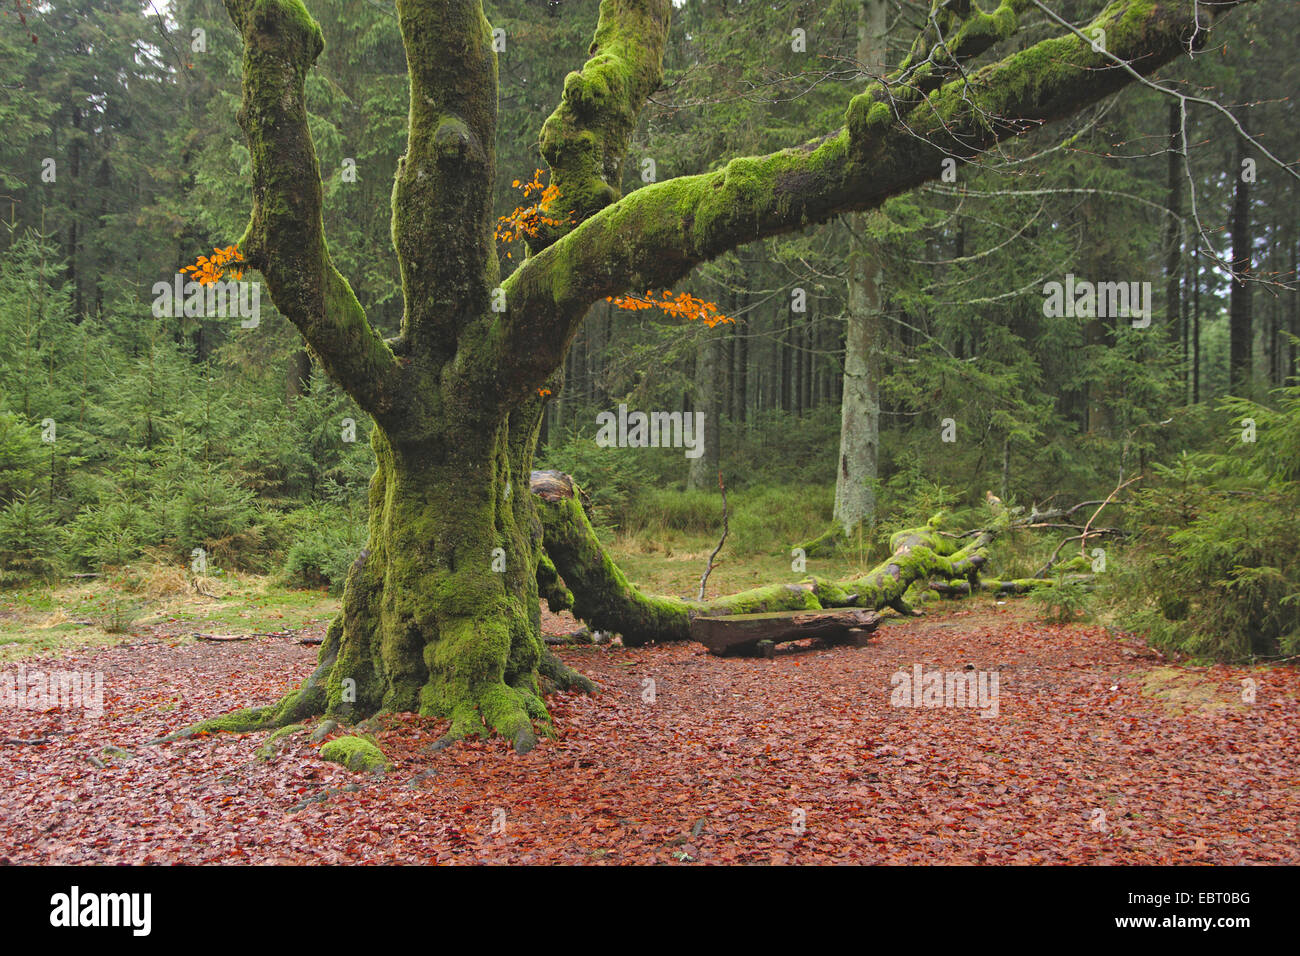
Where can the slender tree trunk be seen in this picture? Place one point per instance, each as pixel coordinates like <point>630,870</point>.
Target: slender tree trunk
<point>297,375</point>
<point>1240,332</point>
<point>703,471</point>
<point>809,393</point>
<point>855,495</point>
<point>743,329</point>
<point>729,361</point>
<point>1186,325</point>
<point>1196,326</point>
<point>1005,487</point>
<point>1295,307</point>
<point>789,387</point>
<point>769,374</point>
<point>1173,235</point>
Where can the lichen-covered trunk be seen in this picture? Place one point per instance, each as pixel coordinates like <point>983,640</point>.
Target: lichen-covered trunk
<point>855,476</point>
<point>440,612</point>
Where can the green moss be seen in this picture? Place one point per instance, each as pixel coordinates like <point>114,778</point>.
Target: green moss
<point>237,722</point>
<point>773,597</point>
<point>558,597</point>
<point>356,753</point>
<point>603,596</point>
<point>586,139</point>
<point>271,746</point>
<point>285,732</point>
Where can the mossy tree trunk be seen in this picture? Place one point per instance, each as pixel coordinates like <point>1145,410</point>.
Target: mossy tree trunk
<point>433,621</point>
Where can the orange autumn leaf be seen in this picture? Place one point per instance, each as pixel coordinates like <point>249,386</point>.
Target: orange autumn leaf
<point>209,269</point>
<point>683,305</point>
<point>528,219</point>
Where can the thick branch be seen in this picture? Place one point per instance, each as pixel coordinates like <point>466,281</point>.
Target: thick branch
<point>285,239</point>
<point>585,140</point>
<point>657,234</point>
<point>442,202</point>
<point>955,32</point>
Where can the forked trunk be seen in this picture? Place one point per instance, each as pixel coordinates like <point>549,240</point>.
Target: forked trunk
<point>440,612</point>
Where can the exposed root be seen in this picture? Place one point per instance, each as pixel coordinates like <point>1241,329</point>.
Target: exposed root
<point>294,707</point>
<point>558,597</point>
<point>511,712</point>
<point>554,675</point>
<point>307,701</point>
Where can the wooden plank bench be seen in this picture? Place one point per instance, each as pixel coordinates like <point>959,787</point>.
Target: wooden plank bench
<point>758,634</point>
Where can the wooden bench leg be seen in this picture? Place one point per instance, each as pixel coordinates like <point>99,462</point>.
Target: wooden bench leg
<point>767,649</point>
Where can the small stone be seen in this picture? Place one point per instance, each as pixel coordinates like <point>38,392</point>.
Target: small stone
<point>421,778</point>
<point>314,798</point>
<point>323,730</point>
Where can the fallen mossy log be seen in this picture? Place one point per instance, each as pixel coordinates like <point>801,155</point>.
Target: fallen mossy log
<point>1009,587</point>
<point>605,599</point>
<point>957,589</point>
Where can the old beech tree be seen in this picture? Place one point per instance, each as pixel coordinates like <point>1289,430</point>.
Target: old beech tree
<point>427,624</point>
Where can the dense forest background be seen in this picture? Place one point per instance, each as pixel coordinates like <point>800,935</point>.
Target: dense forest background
<point>125,437</point>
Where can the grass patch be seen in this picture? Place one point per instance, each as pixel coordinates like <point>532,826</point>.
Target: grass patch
<point>1181,691</point>
<point>40,621</point>
<point>763,519</point>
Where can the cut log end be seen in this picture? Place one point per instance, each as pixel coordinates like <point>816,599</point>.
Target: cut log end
<point>551,485</point>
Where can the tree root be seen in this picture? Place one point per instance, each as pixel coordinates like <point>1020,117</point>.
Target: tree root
<point>558,597</point>
<point>554,675</point>
<point>298,705</point>
<point>294,707</point>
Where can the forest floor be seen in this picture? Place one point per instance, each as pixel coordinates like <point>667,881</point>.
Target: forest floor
<point>1100,752</point>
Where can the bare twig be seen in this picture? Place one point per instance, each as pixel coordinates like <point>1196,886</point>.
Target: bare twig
<point>1083,546</point>
<point>709,570</point>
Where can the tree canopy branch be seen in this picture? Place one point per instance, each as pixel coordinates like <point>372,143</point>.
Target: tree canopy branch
<point>442,202</point>
<point>586,139</point>
<point>654,236</point>
<point>285,238</point>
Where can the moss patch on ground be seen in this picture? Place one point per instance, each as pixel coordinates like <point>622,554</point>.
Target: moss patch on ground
<point>356,753</point>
